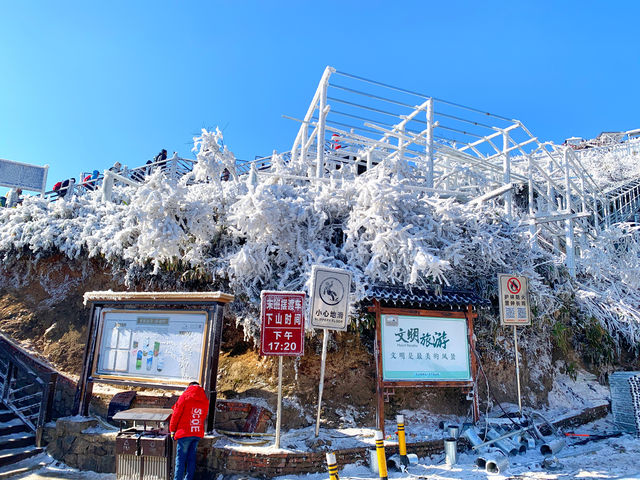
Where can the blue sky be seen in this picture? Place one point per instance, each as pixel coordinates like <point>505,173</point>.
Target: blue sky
<point>83,84</point>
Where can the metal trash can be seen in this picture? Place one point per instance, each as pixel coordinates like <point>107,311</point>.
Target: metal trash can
<point>142,453</point>
<point>156,456</point>
<point>128,455</point>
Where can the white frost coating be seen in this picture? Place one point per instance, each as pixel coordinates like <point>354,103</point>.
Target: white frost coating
<point>268,236</point>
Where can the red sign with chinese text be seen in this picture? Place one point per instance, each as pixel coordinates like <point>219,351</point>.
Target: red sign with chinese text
<point>282,315</point>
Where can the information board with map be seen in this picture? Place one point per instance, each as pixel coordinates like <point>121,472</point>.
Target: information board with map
<point>156,346</point>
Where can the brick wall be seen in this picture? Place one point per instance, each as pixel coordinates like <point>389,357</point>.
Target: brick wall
<point>236,416</point>
<point>586,416</point>
<point>232,461</point>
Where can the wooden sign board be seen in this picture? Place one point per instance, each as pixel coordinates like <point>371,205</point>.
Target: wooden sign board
<point>152,339</point>
<point>424,348</point>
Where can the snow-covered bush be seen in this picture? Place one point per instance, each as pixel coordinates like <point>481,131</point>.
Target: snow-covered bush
<point>248,236</point>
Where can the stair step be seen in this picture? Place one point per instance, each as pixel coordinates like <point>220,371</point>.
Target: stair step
<point>6,415</point>
<point>16,440</point>
<point>14,425</point>
<point>17,471</point>
<point>14,455</point>
<point>13,470</point>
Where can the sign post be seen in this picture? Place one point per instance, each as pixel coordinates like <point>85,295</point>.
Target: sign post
<point>282,333</point>
<point>329,311</point>
<point>323,363</point>
<point>514,310</point>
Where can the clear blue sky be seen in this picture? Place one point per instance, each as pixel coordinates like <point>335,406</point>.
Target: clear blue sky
<point>83,84</point>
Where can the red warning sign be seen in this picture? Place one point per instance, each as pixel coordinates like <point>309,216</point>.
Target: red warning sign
<point>513,285</point>
<point>282,315</point>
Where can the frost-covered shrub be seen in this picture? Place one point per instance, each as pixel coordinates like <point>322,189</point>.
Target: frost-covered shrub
<point>249,235</point>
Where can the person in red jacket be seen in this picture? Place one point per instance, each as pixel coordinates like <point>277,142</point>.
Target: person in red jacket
<point>187,427</point>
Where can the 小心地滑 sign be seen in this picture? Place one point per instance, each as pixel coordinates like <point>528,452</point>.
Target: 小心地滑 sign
<point>330,298</point>
<point>416,348</point>
<point>282,315</point>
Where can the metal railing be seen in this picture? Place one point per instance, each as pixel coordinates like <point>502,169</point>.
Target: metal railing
<point>463,152</point>
<point>624,202</point>
<point>27,393</point>
<point>174,168</point>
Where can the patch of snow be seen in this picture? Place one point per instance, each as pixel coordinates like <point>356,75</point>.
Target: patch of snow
<point>583,392</point>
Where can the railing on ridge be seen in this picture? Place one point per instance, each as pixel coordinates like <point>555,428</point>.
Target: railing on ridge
<point>27,393</point>
<point>174,167</point>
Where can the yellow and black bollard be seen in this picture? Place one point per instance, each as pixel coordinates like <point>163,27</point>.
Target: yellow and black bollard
<point>333,466</point>
<point>402,442</point>
<point>382,459</point>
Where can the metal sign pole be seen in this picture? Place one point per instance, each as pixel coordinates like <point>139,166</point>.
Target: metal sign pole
<point>323,362</point>
<point>515,339</point>
<point>279,411</point>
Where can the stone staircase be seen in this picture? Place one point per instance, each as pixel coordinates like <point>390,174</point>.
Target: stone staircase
<point>17,440</point>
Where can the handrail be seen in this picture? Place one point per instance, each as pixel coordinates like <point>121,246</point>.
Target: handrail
<point>175,165</point>
<point>16,377</point>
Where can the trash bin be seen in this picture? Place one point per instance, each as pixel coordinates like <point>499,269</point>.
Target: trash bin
<point>128,466</point>
<point>144,453</point>
<point>156,455</point>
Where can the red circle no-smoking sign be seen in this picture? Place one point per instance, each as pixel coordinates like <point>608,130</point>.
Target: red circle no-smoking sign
<point>513,285</point>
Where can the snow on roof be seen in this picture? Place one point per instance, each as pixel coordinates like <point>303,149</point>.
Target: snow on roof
<point>109,296</point>
<point>449,297</point>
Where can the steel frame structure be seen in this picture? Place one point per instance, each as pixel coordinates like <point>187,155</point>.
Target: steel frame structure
<point>458,151</point>
<point>454,150</point>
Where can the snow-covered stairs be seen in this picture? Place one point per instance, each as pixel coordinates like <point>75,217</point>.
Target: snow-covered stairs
<point>17,441</point>
<point>624,201</point>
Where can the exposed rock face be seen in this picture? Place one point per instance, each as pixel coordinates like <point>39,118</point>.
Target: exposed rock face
<point>41,306</point>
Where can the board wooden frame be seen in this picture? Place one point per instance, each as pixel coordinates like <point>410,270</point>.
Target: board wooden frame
<point>381,384</point>
<point>211,303</point>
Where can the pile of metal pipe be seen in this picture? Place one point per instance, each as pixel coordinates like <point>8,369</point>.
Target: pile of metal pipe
<point>507,440</point>
<point>497,463</point>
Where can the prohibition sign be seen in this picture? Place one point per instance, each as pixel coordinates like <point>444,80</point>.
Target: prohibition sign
<point>513,285</point>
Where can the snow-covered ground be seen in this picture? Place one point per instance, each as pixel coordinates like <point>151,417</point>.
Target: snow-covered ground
<point>612,458</point>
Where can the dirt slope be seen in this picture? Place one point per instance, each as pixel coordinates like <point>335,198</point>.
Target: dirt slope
<point>41,306</point>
